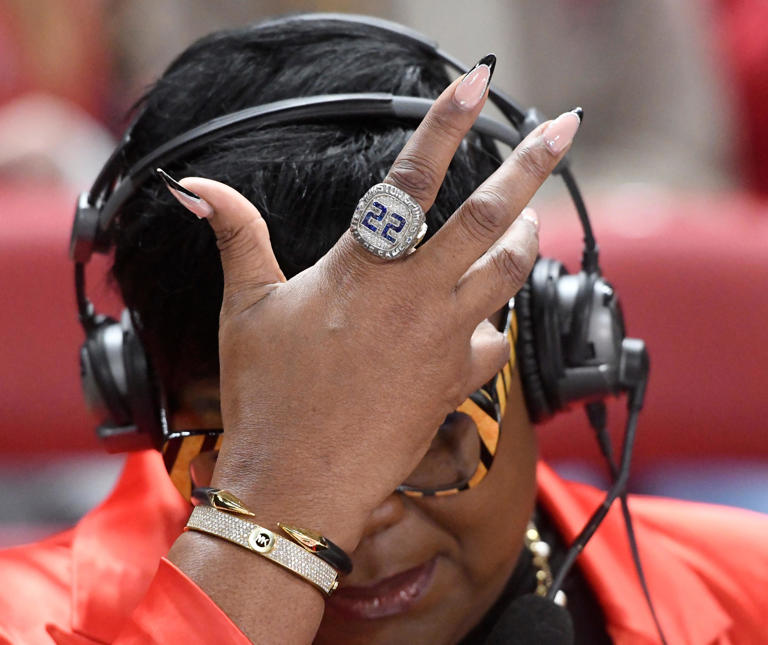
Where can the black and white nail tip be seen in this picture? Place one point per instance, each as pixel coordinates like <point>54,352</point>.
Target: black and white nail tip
<point>175,185</point>
<point>489,61</point>
<point>579,112</point>
<point>190,200</point>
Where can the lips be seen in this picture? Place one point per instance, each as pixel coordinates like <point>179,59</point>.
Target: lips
<point>387,597</point>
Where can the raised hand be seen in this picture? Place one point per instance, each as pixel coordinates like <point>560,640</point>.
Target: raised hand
<point>333,383</point>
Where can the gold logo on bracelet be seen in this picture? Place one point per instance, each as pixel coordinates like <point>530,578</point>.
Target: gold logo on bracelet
<point>261,540</point>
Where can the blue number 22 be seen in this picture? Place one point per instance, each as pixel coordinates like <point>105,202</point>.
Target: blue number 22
<point>395,228</point>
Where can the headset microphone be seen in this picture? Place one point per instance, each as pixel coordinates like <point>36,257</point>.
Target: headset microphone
<point>533,620</point>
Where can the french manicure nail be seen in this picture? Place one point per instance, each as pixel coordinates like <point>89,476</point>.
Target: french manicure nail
<point>560,132</point>
<point>472,88</point>
<point>191,201</point>
<point>530,215</point>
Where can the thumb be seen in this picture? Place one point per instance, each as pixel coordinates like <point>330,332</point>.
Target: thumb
<point>247,259</point>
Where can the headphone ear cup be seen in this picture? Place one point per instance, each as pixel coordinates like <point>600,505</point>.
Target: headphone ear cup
<point>99,380</point>
<point>577,349</point>
<point>143,395</point>
<point>539,342</point>
<point>530,376</point>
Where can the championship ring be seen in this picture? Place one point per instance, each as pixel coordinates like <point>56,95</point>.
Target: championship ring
<point>388,222</point>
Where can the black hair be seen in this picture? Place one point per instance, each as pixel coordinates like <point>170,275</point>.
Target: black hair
<point>305,179</point>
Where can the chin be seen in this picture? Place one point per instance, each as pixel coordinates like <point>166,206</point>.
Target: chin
<point>390,631</point>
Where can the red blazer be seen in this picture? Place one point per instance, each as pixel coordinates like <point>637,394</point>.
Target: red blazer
<point>106,581</point>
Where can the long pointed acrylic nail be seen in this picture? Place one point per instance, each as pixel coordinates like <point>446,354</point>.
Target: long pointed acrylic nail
<point>472,88</point>
<point>560,132</point>
<point>191,201</point>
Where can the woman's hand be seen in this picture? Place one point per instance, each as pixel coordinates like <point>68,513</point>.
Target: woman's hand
<point>334,382</point>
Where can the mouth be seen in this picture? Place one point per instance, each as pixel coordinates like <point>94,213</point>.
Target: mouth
<point>387,597</point>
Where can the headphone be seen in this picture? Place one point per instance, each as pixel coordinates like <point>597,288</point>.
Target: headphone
<point>571,341</point>
<point>571,345</point>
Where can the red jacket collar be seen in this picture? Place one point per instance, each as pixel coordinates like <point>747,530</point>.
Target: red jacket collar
<point>687,610</point>
<point>116,547</point>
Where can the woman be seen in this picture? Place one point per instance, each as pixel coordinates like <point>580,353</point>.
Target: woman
<point>335,366</point>
<point>306,181</point>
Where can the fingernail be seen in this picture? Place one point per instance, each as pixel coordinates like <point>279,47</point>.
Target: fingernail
<point>472,88</point>
<point>560,132</point>
<point>530,215</point>
<point>191,201</point>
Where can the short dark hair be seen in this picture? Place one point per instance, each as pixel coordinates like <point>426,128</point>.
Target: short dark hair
<point>305,179</point>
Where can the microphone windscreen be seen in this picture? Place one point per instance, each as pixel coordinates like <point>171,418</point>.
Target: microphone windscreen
<point>533,620</point>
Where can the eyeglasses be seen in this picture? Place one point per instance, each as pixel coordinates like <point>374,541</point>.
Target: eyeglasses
<point>459,457</point>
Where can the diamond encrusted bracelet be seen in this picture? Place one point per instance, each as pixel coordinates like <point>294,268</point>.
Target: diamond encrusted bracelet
<point>266,543</point>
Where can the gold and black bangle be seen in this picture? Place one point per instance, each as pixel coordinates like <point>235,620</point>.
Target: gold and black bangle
<point>260,540</point>
<point>311,541</point>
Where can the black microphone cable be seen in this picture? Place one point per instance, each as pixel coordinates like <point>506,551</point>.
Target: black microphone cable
<point>590,262</point>
<point>597,415</point>
<point>620,476</point>
<point>598,516</point>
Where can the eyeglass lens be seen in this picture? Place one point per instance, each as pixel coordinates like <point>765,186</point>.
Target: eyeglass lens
<point>452,457</point>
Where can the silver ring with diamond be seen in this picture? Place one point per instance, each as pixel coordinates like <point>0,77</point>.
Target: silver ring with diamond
<point>388,222</point>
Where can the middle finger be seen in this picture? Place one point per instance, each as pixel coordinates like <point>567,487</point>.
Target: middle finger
<point>422,163</point>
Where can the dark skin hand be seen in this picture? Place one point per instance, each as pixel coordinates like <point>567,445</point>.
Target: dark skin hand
<point>474,538</point>
<point>320,333</point>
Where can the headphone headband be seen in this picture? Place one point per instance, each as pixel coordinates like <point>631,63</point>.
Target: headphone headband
<point>113,188</point>
<point>508,107</point>
<point>115,184</point>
